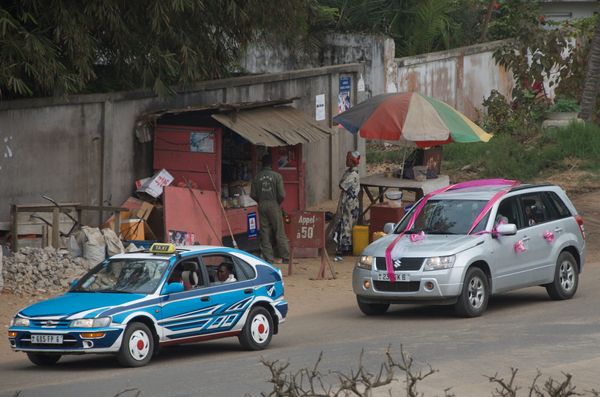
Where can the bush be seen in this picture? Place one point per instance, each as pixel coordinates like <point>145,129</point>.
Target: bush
<point>506,157</point>
<point>564,105</point>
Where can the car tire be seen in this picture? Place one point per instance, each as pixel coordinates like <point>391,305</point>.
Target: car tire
<point>137,346</point>
<point>475,294</point>
<point>258,330</point>
<point>566,278</point>
<point>372,309</point>
<point>43,359</point>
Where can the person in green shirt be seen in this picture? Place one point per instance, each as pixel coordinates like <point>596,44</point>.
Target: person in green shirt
<point>268,191</point>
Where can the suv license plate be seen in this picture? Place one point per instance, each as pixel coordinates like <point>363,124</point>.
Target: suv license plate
<point>399,277</point>
<point>47,339</point>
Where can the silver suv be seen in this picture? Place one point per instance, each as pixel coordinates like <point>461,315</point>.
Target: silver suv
<point>531,236</point>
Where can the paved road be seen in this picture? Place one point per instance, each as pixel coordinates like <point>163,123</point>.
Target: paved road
<point>523,329</point>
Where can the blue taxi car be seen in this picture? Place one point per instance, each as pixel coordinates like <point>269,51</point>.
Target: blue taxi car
<point>131,304</point>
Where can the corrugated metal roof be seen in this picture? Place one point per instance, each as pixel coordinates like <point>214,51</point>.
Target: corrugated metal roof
<point>274,126</point>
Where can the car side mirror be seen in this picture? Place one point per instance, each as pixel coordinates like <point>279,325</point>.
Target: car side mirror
<point>74,282</point>
<point>389,227</point>
<point>506,229</point>
<point>172,288</point>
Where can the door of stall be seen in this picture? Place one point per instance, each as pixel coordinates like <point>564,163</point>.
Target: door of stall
<point>287,160</point>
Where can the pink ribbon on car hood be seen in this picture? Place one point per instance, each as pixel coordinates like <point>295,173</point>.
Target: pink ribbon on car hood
<point>463,185</point>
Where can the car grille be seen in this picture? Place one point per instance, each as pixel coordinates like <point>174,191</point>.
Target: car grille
<point>45,323</point>
<point>405,264</point>
<point>386,286</point>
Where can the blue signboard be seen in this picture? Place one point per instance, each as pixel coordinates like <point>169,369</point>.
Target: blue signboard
<point>252,229</point>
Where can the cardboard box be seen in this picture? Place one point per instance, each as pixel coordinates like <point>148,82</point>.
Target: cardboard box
<point>154,186</point>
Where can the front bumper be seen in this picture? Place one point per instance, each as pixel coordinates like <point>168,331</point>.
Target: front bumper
<point>73,341</point>
<point>445,286</point>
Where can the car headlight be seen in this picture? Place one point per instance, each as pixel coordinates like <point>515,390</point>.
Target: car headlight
<point>365,262</point>
<point>439,262</point>
<point>91,322</point>
<point>19,322</point>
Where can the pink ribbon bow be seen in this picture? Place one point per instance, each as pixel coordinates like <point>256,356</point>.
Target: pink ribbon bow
<point>520,247</point>
<point>549,236</point>
<point>417,236</point>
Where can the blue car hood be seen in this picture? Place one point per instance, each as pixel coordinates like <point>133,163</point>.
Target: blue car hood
<point>75,302</point>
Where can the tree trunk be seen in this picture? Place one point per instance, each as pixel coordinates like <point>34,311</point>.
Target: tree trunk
<point>592,77</point>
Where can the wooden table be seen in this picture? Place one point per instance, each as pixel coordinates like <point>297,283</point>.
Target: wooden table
<point>383,183</point>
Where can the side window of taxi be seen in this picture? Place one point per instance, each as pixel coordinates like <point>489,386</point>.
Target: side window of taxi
<point>187,271</point>
<point>221,269</point>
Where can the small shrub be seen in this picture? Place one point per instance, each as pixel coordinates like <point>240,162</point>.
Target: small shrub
<point>564,105</point>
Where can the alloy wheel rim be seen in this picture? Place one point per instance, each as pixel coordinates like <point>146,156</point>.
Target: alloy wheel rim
<point>139,345</point>
<point>259,328</point>
<point>476,292</point>
<point>567,276</point>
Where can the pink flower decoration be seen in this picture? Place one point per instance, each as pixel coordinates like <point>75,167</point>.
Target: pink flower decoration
<point>417,236</point>
<point>520,247</point>
<point>549,237</point>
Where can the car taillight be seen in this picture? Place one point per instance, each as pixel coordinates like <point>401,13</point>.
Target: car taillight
<point>579,220</point>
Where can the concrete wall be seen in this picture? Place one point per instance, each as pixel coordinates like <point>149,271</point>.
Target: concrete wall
<point>563,10</point>
<point>375,52</point>
<point>462,77</point>
<point>83,148</point>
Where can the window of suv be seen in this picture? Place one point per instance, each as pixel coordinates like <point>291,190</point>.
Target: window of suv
<point>508,211</point>
<point>446,217</point>
<point>558,209</point>
<point>534,209</point>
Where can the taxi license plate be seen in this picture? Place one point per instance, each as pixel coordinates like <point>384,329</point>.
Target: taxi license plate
<point>47,339</point>
<point>399,277</point>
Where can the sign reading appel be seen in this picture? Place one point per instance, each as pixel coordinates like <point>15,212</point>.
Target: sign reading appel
<point>307,230</point>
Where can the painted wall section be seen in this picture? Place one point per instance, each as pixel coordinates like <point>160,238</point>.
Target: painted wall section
<point>462,77</point>
<point>83,148</point>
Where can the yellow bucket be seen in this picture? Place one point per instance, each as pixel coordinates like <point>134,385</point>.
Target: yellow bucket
<point>360,239</point>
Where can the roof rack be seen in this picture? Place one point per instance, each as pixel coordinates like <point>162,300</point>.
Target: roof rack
<point>529,186</point>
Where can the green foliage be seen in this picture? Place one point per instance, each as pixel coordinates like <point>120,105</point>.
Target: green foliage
<point>55,47</point>
<point>564,105</point>
<point>505,156</point>
<point>537,53</point>
<point>512,17</point>
<point>521,118</point>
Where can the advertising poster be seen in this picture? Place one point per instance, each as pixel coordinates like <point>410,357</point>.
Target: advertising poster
<point>202,142</point>
<point>344,94</point>
<point>180,238</point>
<point>320,107</point>
<point>252,229</point>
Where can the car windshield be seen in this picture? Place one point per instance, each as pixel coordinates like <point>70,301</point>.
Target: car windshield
<point>445,217</point>
<point>136,276</point>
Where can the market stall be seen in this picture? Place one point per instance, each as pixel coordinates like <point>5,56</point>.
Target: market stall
<point>220,154</point>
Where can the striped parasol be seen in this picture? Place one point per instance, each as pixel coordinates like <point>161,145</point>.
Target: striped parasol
<point>410,118</point>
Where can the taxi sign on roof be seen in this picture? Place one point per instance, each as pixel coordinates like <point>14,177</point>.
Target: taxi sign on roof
<point>162,248</point>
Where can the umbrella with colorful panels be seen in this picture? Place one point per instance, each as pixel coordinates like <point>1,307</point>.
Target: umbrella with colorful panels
<point>410,118</point>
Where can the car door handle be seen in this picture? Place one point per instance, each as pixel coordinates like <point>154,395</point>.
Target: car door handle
<point>524,239</point>
<point>558,229</point>
<point>248,291</point>
<point>205,298</point>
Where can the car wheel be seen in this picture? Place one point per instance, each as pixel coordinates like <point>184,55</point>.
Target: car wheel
<point>43,360</point>
<point>566,278</point>
<point>258,330</point>
<point>475,294</point>
<point>137,346</point>
<point>372,309</point>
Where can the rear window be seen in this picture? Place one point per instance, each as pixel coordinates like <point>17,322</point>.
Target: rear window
<point>558,207</point>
